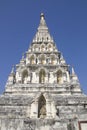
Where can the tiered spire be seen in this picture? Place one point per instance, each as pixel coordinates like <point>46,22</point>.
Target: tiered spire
<point>42,26</point>
<point>42,34</point>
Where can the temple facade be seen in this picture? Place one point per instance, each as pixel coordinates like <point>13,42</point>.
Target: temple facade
<point>43,91</point>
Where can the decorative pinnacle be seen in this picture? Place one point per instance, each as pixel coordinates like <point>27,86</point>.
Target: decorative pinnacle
<point>12,71</point>
<point>74,75</point>
<point>62,56</point>
<point>73,72</point>
<point>23,56</point>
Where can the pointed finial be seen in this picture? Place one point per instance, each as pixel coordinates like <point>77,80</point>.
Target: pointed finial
<point>12,71</point>
<point>62,56</point>
<point>42,20</point>
<point>23,56</point>
<point>73,72</point>
<point>62,59</point>
<point>74,76</point>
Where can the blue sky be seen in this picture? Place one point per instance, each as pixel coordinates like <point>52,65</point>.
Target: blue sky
<point>67,23</point>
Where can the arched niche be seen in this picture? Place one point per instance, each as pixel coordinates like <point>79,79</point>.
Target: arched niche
<point>42,59</point>
<point>53,59</point>
<point>41,107</point>
<point>32,59</point>
<point>59,76</point>
<point>42,76</point>
<point>50,47</point>
<point>42,47</point>
<point>36,47</point>
<point>24,76</point>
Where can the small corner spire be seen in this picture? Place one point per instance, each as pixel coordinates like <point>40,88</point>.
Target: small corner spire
<point>23,56</point>
<point>73,71</point>
<point>74,76</point>
<point>13,68</point>
<point>62,56</point>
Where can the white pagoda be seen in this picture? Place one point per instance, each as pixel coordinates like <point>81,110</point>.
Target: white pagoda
<point>41,92</point>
